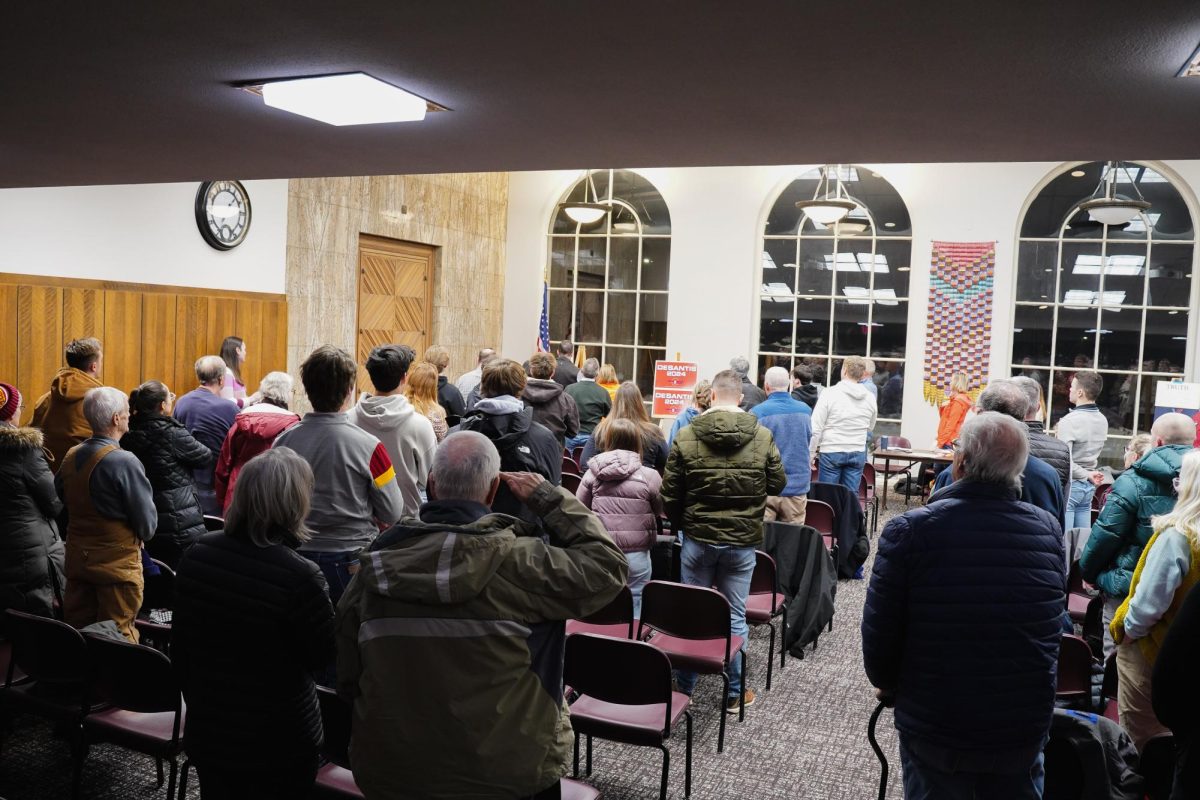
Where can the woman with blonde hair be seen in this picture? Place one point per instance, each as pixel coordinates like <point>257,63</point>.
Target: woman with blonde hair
<point>1166,572</point>
<point>954,413</point>
<point>422,392</point>
<point>628,404</point>
<point>1138,446</point>
<point>608,379</point>
<point>701,400</point>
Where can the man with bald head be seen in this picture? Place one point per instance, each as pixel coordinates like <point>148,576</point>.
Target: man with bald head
<point>1141,492</point>
<point>208,417</point>
<point>790,422</point>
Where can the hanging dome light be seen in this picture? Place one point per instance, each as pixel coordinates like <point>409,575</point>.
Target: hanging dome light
<point>830,205</point>
<point>585,212</point>
<point>1109,208</point>
<point>853,223</point>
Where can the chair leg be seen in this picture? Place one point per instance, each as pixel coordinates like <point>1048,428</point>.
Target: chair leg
<point>687,756</point>
<point>770,655</point>
<point>575,772</point>
<point>171,782</point>
<point>783,643</point>
<point>158,767</point>
<point>662,791</point>
<point>724,711</point>
<point>183,780</point>
<point>588,773</point>
<point>79,752</point>
<point>742,693</point>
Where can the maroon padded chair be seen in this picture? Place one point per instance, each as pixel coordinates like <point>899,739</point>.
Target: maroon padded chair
<point>145,712</point>
<point>577,455</point>
<point>1074,671</point>
<point>158,594</point>
<point>615,619</point>
<point>213,523</point>
<point>335,781</point>
<point>624,694</point>
<point>570,482</point>
<point>820,515</point>
<point>765,603</point>
<point>867,497</point>
<point>893,467</point>
<point>569,467</point>
<point>1099,499</point>
<point>1108,690</point>
<point>691,625</point>
<point>1077,597</point>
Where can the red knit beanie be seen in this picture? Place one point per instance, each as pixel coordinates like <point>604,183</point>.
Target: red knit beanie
<point>10,398</point>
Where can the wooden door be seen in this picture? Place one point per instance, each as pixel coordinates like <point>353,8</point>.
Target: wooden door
<point>395,297</point>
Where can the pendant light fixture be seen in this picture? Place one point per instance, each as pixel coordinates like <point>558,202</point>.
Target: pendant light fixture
<point>829,203</point>
<point>1106,206</point>
<point>586,213</point>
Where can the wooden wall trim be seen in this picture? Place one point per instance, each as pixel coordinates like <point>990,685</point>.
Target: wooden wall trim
<point>88,283</point>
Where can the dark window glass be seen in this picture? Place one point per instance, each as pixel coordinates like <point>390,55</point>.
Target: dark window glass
<point>1032,332</point>
<point>589,317</point>
<point>622,359</point>
<point>1166,340</point>
<point>1120,337</point>
<point>562,262</point>
<point>889,329</point>
<point>1170,275</point>
<point>1036,266</point>
<point>621,308</point>
<point>812,325</point>
<point>850,327</point>
<point>1076,344</point>
<point>656,264</point>
<point>652,320</point>
<point>815,275</point>
<point>896,256</point>
<point>644,374</point>
<point>779,265</point>
<point>623,263</point>
<point>559,314</point>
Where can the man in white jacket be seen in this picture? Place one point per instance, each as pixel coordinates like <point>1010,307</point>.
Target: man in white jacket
<point>844,416</point>
<point>387,415</point>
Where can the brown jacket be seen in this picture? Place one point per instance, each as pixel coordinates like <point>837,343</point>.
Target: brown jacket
<point>59,412</point>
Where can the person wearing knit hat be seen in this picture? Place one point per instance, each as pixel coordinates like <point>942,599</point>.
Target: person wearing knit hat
<point>32,557</point>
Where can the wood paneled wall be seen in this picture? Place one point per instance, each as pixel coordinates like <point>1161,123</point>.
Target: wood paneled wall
<point>148,332</point>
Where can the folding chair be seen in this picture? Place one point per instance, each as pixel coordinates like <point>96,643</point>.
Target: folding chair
<point>212,523</point>
<point>820,515</point>
<point>570,481</point>
<point>764,603</point>
<point>569,466</point>
<point>158,595</point>
<point>1074,671</point>
<point>615,619</point>
<point>867,498</point>
<point>335,781</point>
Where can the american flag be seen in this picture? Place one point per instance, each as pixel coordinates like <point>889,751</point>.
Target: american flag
<point>543,342</point>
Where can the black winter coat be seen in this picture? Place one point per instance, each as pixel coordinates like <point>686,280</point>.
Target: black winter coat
<point>524,446</point>
<point>31,553</point>
<point>1054,452</point>
<point>250,624</point>
<point>963,619</point>
<point>169,453</point>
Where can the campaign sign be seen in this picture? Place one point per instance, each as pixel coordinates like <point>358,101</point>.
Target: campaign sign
<point>673,385</point>
<point>1177,396</point>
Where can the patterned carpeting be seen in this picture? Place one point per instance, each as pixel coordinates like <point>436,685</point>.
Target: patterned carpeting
<point>806,738</point>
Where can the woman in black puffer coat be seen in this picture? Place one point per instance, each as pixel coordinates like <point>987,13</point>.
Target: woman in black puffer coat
<point>31,553</point>
<point>169,453</point>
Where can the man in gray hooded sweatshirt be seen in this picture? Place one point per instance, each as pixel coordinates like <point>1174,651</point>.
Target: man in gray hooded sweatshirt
<point>388,416</point>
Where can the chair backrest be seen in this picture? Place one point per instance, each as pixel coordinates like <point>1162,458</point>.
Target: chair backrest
<point>1101,496</point>
<point>1075,579</point>
<point>132,676</point>
<point>899,441</point>
<point>569,467</point>
<point>577,454</point>
<point>623,671</point>
<point>765,579</point>
<point>159,589</point>
<point>1157,765</point>
<point>336,718</point>
<point>869,475</point>
<point>1074,666</point>
<point>1108,689</point>
<point>688,612</point>
<point>49,651</point>
<point>570,482</point>
<point>618,611</point>
<point>820,515</point>
<point>212,523</point>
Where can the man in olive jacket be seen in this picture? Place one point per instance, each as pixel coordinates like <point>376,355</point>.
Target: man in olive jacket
<point>451,635</point>
<point>720,471</point>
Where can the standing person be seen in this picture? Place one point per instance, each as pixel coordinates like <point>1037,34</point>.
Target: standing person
<point>701,401</point>
<point>31,552</point>
<point>252,621</point>
<point>607,378</point>
<point>471,398</point>
<point>630,405</point>
<point>253,431</point>
<point>474,603</point>
<point>624,493</point>
<point>803,388</point>
<point>1085,430</point>
<point>1167,570</point>
<point>868,378</point>
<point>971,724</point>
<point>420,388</point>
<point>233,353</point>
<point>169,455</point>
<point>721,470</point>
<point>1175,701</point>
<point>954,411</point>
<point>208,417</point>
<point>551,405</point>
<point>1145,490</point>
<point>59,412</point>
<point>110,512</point>
<point>469,381</point>
<point>842,420</point>
<point>354,483</point>
<point>751,394</point>
<point>390,417</point>
<point>790,424</point>
<point>448,396</point>
<point>1053,451</point>
<point>1138,446</point>
<point>592,401</point>
<point>565,371</point>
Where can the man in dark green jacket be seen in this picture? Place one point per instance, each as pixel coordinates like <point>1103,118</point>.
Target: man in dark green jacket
<point>450,637</point>
<point>1123,528</point>
<point>591,399</point>
<point>720,471</point>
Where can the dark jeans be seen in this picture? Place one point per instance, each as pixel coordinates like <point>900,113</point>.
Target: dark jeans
<point>336,567</point>
<point>946,778</point>
<point>268,782</point>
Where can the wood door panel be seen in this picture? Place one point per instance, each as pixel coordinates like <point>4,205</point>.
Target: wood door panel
<point>191,338</point>
<point>248,325</point>
<point>394,301</point>
<point>376,312</point>
<point>39,331</point>
<point>123,338</point>
<point>275,338</point>
<point>158,343</point>
<point>8,341</point>
<point>83,315</point>
<point>222,322</point>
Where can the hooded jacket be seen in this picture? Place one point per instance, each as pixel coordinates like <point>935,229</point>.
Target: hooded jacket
<point>719,473</point>
<point>169,455</point>
<point>951,418</point>
<point>843,418</point>
<point>59,412</point>
<point>407,436</point>
<point>253,432</point>
<point>552,407</point>
<point>1123,528</point>
<point>31,553</point>
<point>806,394</point>
<point>458,617</point>
<point>625,495</point>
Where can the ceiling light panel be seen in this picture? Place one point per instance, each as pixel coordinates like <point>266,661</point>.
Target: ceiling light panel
<point>352,99</point>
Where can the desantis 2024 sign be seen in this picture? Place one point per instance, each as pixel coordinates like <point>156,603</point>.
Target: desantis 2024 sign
<point>673,385</point>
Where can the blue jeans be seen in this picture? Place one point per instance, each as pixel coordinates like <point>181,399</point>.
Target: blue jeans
<point>336,569</point>
<point>843,468</point>
<point>1079,505</point>
<point>727,569</point>
<point>577,441</point>
<point>639,576</point>
<point>924,781</point>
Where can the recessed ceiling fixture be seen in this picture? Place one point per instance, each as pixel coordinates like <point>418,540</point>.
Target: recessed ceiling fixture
<point>352,98</point>
<point>1077,173</point>
<point>1191,69</point>
<point>585,212</point>
<point>1110,208</point>
<point>829,202</point>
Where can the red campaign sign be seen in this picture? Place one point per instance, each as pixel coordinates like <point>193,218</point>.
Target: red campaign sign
<point>673,385</point>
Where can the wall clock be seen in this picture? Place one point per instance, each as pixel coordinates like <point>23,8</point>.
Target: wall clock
<point>223,213</point>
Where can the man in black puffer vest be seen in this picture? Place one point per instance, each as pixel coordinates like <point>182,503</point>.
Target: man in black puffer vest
<point>1054,452</point>
<point>962,625</point>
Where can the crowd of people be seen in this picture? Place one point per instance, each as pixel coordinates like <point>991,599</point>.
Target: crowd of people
<point>421,529</point>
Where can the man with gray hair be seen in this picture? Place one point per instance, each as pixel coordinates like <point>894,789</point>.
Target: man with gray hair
<point>751,394</point>
<point>208,417</point>
<point>470,380</point>
<point>868,378</point>
<point>110,513</point>
<point>790,422</point>
<point>466,608</point>
<point>1054,452</point>
<point>592,400</point>
<point>1040,484</point>
<point>977,559</point>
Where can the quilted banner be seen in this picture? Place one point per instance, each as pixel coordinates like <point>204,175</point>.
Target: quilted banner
<point>959,323</point>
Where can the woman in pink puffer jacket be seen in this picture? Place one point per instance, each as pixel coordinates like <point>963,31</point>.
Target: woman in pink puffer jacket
<point>625,495</point>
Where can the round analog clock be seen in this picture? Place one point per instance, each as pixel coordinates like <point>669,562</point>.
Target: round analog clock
<point>223,213</point>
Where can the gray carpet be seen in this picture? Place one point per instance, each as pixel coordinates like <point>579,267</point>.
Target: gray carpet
<point>806,738</point>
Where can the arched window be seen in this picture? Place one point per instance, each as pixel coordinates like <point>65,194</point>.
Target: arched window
<point>608,281</point>
<point>1110,298</point>
<point>828,293</point>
